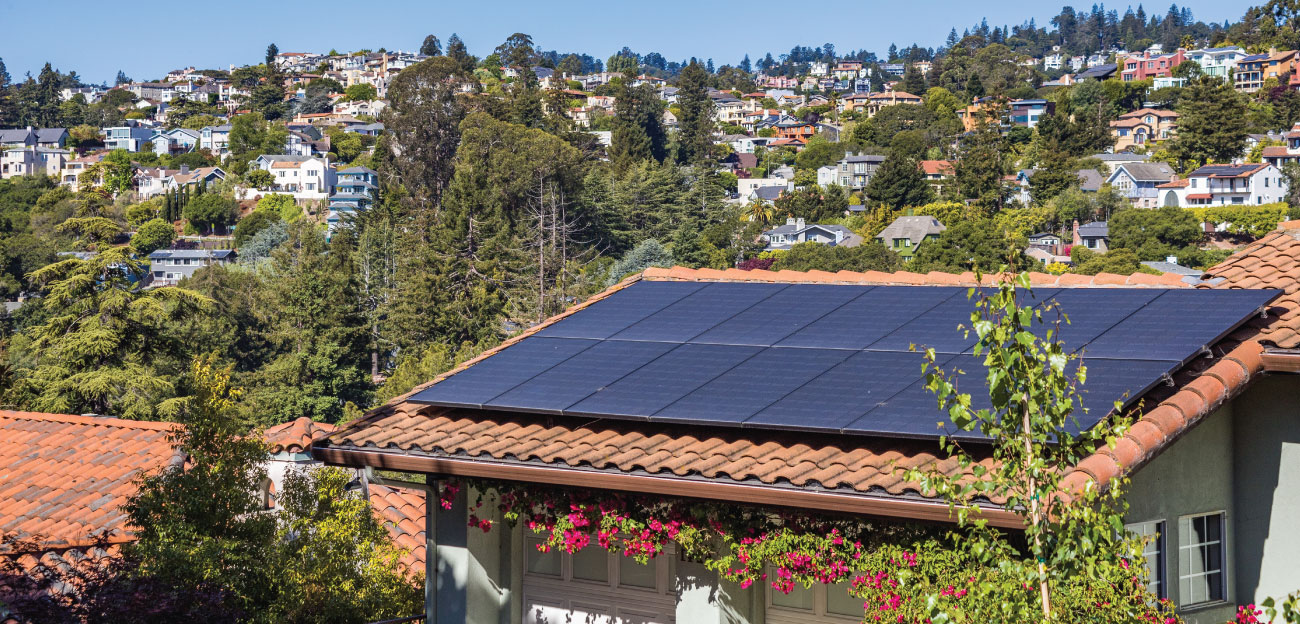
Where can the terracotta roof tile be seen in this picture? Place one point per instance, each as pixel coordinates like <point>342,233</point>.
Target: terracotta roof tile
<point>402,512</point>
<point>295,436</point>
<point>67,476</point>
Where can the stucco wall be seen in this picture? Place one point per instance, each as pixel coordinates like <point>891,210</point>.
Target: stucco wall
<point>1266,452</point>
<point>1194,475</point>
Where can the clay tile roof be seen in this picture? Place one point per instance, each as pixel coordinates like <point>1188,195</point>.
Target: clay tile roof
<point>1175,183</point>
<point>63,478</point>
<point>1270,262</point>
<point>402,512</point>
<point>296,436</point>
<point>1276,150</point>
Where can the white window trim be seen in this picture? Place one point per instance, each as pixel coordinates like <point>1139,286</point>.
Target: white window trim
<point>1159,532</point>
<point>1224,560</point>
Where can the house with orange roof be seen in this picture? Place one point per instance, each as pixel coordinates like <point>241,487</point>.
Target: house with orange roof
<point>1249,184</point>
<point>1280,155</point>
<point>1143,126</point>
<point>1209,455</point>
<point>877,101</point>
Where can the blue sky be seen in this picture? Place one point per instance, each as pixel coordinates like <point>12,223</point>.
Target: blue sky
<point>147,39</point>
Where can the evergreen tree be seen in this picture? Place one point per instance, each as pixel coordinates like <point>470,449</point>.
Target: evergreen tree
<point>745,65</point>
<point>913,82</point>
<point>271,52</point>
<point>695,123</point>
<point>979,168</point>
<point>121,78</point>
<point>431,46</point>
<point>1212,124</point>
<point>4,75</point>
<point>638,129</point>
<point>459,54</point>
<point>898,183</point>
<point>1056,172</point>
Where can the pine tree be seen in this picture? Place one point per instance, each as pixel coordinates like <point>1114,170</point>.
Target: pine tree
<point>121,78</point>
<point>745,65</point>
<point>638,129</point>
<point>431,46</point>
<point>899,183</point>
<point>272,51</point>
<point>1212,124</point>
<point>695,123</point>
<point>458,53</point>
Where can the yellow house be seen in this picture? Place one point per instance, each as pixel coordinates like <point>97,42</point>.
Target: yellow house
<point>1143,126</point>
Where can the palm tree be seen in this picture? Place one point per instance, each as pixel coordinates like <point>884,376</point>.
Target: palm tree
<point>758,210</point>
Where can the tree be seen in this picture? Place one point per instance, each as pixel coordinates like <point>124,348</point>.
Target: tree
<point>517,51</point>
<point>1291,171</point>
<point>422,128</point>
<point>431,46</point>
<point>869,256</point>
<point>284,207</point>
<point>638,129</point>
<point>1156,234</point>
<point>979,168</point>
<point>271,52</point>
<point>648,253</point>
<point>1073,536</point>
<point>899,182</point>
<point>361,92</point>
<point>1056,172</point>
<point>1116,261</point>
<point>1212,124</point>
<point>459,54</point>
<point>249,226</point>
<point>969,245</point>
<point>210,210</point>
<point>913,82</point>
<point>259,178</point>
<point>103,348</point>
<point>152,235</point>
<point>121,79</point>
<point>695,123</point>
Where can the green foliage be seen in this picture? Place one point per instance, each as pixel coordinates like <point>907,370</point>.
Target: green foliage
<point>695,123</point>
<point>1157,234</point>
<point>1252,221</point>
<point>259,178</point>
<point>1116,261</point>
<point>648,253</point>
<point>1073,536</point>
<point>971,245</point>
<point>281,205</point>
<point>210,210</point>
<point>153,235</point>
<point>361,92</point>
<point>138,214</point>
<point>868,256</point>
<point>1211,124</point>
<point>250,226</point>
<point>103,348</point>
<point>818,153</point>
<point>423,366</point>
<point>638,132</point>
<point>259,246</point>
<point>898,183</point>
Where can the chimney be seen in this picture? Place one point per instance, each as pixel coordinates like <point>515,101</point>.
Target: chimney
<point>185,169</point>
<point>799,224</point>
<point>1171,259</point>
<point>1076,240</point>
<point>790,220</point>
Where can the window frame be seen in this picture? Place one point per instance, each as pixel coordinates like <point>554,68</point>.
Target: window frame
<point>1185,522</point>
<point>1160,533</point>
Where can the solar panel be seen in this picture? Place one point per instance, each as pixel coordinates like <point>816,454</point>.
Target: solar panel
<point>828,358</point>
<point>699,312</point>
<point>668,378</point>
<point>613,314</point>
<point>580,376</point>
<point>870,317</point>
<point>481,382</point>
<point>756,383</point>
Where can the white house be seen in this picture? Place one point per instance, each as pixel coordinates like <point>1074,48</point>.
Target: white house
<point>1218,62</point>
<point>304,177</point>
<point>1223,185</point>
<point>795,231</point>
<point>746,186</point>
<point>215,139</point>
<point>175,141</point>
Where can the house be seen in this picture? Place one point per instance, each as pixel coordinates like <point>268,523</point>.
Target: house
<point>764,194</point>
<point>28,161</point>
<point>355,189</point>
<point>854,171</point>
<point>131,137</point>
<point>1218,62</point>
<point>746,186</point>
<point>1279,155</point>
<point>70,176</point>
<point>1094,235</point>
<point>304,177</point>
<point>1143,126</point>
<point>795,231</point>
<point>1090,180</point>
<point>370,129</point>
<point>1024,113</point>
<point>847,69</point>
<point>175,141</point>
<point>1097,72</point>
<point>52,138</point>
<point>1148,66</point>
<point>1207,456</point>
<point>215,139</point>
<point>1119,158</point>
<point>936,172</point>
<point>877,101</point>
<point>1139,181</point>
<point>795,129</point>
<point>1253,70</point>
<point>1220,185</point>
<point>167,267</point>
<point>906,234</point>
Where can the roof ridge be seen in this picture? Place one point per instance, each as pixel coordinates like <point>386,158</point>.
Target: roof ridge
<point>907,278</point>
<point>102,421</point>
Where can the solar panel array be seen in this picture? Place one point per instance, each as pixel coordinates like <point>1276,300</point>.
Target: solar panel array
<point>828,358</point>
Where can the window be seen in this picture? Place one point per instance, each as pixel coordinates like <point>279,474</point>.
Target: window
<point>1153,534</point>
<point>1201,559</point>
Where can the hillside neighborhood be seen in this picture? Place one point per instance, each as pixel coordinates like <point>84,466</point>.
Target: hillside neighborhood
<point>1003,329</point>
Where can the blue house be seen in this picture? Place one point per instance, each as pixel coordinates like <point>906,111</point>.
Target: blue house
<point>355,188</point>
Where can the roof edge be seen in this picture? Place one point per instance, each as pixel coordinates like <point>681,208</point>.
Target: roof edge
<point>101,421</point>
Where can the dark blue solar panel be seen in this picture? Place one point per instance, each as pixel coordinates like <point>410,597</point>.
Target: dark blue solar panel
<point>1177,324</point>
<point>753,385</point>
<point>614,314</point>
<point>657,384</point>
<point>582,375</point>
<point>699,312</point>
<point>781,314</point>
<point>841,395</point>
<point>481,382</point>
<point>1090,312</point>
<point>870,317</point>
<point>937,328</point>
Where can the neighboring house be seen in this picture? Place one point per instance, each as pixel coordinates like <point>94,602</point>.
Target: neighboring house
<point>877,101</point>
<point>1143,126</point>
<point>1094,235</point>
<point>746,186</point>
<point>1139,181</point>
<point>1209,456</point>
<point>1103,71</point>
<point>304,177</point>
<point>795,231</point>
<point>131,137</point>
<point>936,172</point>
<point>1150,66</point>
<point>1218,62</point>
<point>370,129</point>
<point>765,194</point>
<point>216,139</point>
<point>1024,113</point>
<point>906,234</point>
<point>1254,70</point>
<point>70,176</point>
<point>1090,180</point>
<point>29,161</point>
<point>801,130</point>
<point>1221,185</point>
<point>1279,155</point>
<point>1120,158</point>
<point>354,189</point>
<point>176,141</point>
<point>854,171</point>
<point>167,267</point>
<point>53,138</point>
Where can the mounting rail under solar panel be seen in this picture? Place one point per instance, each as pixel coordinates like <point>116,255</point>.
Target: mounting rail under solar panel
<point>828,358</point>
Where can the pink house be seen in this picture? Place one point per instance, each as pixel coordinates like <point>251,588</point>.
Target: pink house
<point>1147,66</point>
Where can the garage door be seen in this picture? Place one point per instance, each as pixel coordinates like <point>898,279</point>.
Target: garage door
<point>594,586</point>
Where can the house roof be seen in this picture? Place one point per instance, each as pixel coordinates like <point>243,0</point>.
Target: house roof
<point>1090,180</point>
<point>913,228</point>
<point>1228,171</point>
<point>769,192</point>
<point>296,435</point>
<point>1121,156</point>
<point>1147,172</point>
<point>191,253</point>
<point>1143,112</point>
<point>1094,229</point>
<point>66,476</point>
<point>1176,183</point>
<point>402,512</point>
<point>937,167</point>
<point>1276,150</point>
